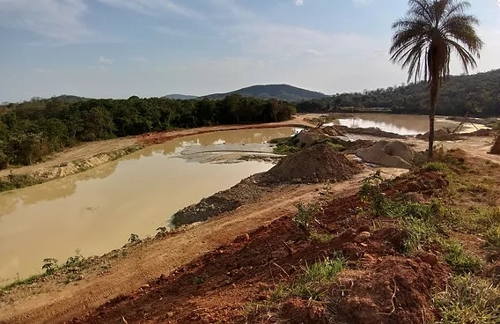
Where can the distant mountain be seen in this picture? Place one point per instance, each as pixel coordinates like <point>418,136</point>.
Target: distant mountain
<point>180,96</point>
<point>277,91</point>
<point>69,98</point>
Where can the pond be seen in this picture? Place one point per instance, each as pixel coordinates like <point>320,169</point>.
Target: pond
<point>97,210</point>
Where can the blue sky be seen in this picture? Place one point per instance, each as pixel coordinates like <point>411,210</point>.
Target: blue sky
<point>119,48</point>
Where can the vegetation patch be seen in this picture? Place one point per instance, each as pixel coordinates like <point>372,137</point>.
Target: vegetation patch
<point>469,299</point>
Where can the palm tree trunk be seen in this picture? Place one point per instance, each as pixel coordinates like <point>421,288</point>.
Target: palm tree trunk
<point>432,112</point>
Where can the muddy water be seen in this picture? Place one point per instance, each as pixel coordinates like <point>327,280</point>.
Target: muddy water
<point>401,124</point>
<point>96,211</point>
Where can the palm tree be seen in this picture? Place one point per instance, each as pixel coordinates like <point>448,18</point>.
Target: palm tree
<point>425,38</point>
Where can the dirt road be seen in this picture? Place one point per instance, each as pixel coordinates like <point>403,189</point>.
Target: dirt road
<point>149,261</point>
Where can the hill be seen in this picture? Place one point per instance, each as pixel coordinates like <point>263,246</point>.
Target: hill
<point>477,93</point>
<point>179,96</point>
<point>277,91</point>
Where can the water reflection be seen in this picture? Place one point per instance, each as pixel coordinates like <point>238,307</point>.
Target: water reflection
<point>399,124</point>
<point>96,210</point>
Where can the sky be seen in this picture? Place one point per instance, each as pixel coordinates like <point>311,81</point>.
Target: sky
<point>150,48</point>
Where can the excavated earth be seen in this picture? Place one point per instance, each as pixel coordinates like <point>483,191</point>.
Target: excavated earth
<point>318,163</point>
<point>235,283</point>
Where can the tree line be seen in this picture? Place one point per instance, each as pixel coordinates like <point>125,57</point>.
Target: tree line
<point>478,94</point>
<point>31,130</point>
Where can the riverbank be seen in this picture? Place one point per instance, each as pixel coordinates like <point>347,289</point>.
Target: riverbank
<point>89,155</point>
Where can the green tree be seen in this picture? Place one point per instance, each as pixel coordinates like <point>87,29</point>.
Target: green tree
<point>425,38</point>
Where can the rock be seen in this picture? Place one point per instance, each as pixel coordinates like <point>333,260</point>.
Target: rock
<point>362,237</point>
<point>429,258</point>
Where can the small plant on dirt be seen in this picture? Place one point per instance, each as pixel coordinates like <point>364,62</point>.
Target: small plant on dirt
<point>492,237</point>
<point>469,299</point>
<point>458,258</point>
<point>161,231</point>
<point>199,280</point>
<point>134,239</point>
<point>321,237</point>
<point>370,192</point>
<point>49,265</point>
<point>305,214</point>
<point>317,278</point>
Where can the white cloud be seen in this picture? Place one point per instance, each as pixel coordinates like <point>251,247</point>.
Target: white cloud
<point>284,40</point>
<point>299,2</point>
<point>153,7</point>
<point>56,19</point>
<point>105,60</point>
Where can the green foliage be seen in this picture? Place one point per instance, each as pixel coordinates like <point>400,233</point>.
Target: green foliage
<point>32,130</point>
<point>458,258</point>
<point>469,299</point>
<point>285,149</point>
<point>49,265</point>
<point>370,192</point>
<point>493,238</point>
<point>16,181</point>
<point>320,237</point>
<point>476,93</point>
<point>314,282</point>
<point>305,214</point>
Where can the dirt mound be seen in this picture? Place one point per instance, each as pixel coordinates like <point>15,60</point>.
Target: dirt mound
<point>244,192</point>
<point>391,154</point>
<point>481,132</point>
<point>334,130</point>
<point>443,134</point>
<point>373,131</point>
<point>312,165</point>
<point>396,290</point>
<point>309,137</point>
<point>496,146</point>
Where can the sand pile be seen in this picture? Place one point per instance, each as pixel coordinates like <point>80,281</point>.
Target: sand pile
<point>312,165</point>
<point>391,154</point>
<point>496,146</point>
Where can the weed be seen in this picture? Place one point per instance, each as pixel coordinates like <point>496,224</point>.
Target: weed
<point>134,239</point>
<point>458,258</point>
<point>315,280</point>
<point>161,231</point>
<point>370,192</point>
<point>305,214</point>
<point>320,237</point>
<point>492,237</point>
<point>49,265</point>
<point>469,300</point>
<point>313,283</point>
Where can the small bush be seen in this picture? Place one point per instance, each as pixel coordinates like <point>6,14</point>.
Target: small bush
<point>49,265</point>
<point>305,214</point>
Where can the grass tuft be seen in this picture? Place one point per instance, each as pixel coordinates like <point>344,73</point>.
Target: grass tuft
<point>470,300</point>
